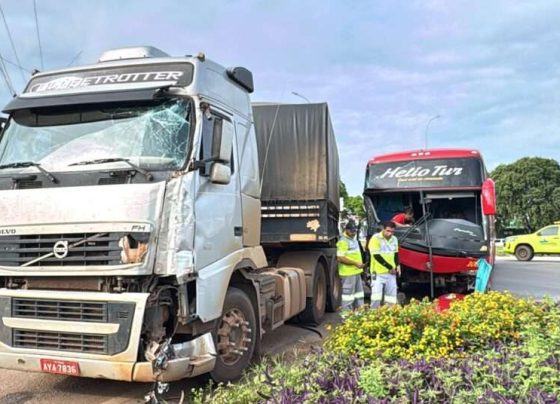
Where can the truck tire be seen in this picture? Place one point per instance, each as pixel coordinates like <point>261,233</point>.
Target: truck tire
<point>334,297</point>
<point>235,336</point>
<point>524,253</point>
<point>316,306</point>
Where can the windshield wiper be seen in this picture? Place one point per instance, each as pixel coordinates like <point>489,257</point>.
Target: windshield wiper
<point>145,173</point>
<point>24,164</point>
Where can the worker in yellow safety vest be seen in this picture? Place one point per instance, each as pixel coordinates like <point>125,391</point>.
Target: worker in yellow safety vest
<point>350,268</point>
<point>384,250</point>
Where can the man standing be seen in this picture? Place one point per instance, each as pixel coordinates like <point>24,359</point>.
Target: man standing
<point>404,218</point>
<point>384,250</point>
<point>350,267</point>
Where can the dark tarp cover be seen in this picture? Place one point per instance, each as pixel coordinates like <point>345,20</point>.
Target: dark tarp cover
<point>298,157</point>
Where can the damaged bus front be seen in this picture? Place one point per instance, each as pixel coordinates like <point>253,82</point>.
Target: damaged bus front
<point>453,205</point>
<point>103,169</point>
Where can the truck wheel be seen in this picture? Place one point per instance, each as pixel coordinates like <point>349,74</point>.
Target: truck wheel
<point>235,336</point>
<point>524,253</point>
<point>334,297</point>
<point>316,305</point>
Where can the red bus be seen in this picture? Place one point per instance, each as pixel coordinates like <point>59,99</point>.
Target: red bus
<point>454,206</point>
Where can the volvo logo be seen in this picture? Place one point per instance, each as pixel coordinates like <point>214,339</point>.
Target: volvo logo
<point>60,249</point>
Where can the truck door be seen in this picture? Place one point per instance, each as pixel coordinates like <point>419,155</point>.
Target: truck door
<point>549,240</point>
<point>219,229</point>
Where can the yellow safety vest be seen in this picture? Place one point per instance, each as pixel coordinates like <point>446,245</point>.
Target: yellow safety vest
<point>386,248</point>
<point>348,247</point>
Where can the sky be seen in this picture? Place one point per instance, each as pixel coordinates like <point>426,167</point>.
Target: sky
<point>489,69</point>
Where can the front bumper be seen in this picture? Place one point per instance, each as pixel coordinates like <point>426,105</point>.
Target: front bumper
<point>202,361</point>
<point>65,326</point>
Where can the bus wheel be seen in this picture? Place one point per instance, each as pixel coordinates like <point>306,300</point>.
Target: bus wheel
<point>316,305</point>
<point>235,336</point>
<point>524,253</point>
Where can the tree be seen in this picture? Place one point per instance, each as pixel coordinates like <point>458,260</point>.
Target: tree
<point>528,192</point>
<point>353,205</point>
<point>343,191</point>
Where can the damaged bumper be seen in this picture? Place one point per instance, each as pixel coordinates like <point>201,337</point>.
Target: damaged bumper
<point>98,333</point>
<point>200,362</point>
<point>191,359</point>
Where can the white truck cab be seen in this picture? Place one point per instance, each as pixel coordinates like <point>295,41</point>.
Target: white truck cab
<point>132,248</point>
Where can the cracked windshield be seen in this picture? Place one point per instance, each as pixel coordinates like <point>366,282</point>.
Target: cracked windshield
<point>154,136</point>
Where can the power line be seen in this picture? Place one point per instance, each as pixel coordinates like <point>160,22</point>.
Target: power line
<point>16,65</point>
<point>75,58</point>
<point>38,35</point>
<point>6,77</point>
<point>12,42</point>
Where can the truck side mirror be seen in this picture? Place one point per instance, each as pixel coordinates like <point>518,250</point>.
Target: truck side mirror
<point>217,144</point>
<point>220,173</point>
<point>222,140</point>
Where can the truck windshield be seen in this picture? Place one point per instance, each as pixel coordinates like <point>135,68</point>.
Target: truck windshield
<point>151,136</point>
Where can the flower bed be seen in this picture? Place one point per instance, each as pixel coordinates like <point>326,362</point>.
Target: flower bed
<point>418,331</point>
<point>486,348</point>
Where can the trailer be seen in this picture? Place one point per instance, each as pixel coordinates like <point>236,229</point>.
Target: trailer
<point>298,162</point>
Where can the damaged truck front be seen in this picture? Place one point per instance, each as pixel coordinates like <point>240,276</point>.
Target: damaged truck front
<point>130,241</point>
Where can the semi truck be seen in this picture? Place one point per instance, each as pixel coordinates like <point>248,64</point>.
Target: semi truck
<point>156,224</point>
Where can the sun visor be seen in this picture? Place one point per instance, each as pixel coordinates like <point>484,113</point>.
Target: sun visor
<point>81,99</point>
<point>101,85</point>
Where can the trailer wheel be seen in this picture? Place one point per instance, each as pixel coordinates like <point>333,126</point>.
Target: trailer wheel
<point>334,297</point>
<point>316,305</point>
<point>235,336</point>
<point>524,253</point>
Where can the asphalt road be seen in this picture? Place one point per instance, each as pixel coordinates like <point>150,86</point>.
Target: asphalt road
<point>537,278</point>
<point>20,387</point>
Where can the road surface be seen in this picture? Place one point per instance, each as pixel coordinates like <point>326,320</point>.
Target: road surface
<point>537,278</point>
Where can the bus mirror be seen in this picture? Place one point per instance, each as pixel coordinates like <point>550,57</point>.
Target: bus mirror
<point>488,198</point>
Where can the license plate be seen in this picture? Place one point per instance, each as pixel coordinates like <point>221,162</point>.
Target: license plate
<point>60,367</point>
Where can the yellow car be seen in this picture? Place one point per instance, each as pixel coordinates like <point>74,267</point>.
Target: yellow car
<point>525,246</point>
